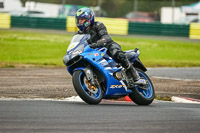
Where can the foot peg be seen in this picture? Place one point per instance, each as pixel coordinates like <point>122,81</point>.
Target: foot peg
<point>140,82</point>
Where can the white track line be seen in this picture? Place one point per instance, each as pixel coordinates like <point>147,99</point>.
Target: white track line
<point>78,99</point>
<point>185,100</point>
<point>73,99</point>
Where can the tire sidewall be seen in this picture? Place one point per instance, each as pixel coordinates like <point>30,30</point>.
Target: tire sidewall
<point>140,99</point>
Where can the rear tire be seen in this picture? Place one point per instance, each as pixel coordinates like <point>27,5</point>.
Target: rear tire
<point>83,91</point>
<point>143,96</point>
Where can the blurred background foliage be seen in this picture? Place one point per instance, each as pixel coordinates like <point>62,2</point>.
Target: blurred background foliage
<point>119,8</point>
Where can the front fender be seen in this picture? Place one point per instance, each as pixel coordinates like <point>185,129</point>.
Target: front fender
<point>80,68</point>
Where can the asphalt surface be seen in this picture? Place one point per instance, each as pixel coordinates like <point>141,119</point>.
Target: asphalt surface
<point>64,117</point>
<point>189,73</point>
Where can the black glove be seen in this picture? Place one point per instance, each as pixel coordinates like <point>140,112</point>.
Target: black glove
<point>93,45</point>
<point>99,43</point>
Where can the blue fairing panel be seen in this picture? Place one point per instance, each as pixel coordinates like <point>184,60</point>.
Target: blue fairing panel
<point>107,66</point>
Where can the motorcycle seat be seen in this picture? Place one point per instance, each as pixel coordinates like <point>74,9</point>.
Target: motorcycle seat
<point>130,54</point>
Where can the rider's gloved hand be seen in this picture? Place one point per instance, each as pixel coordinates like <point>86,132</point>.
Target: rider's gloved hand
<point>93,45</point>
<point>99,43</point>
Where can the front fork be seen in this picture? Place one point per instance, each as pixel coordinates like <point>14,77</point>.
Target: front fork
<point>124,75</point>
<point>89,75</point>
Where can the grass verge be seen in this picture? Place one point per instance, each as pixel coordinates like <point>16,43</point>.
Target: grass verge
<point>44,49</point>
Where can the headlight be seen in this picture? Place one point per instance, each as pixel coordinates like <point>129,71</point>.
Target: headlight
<point>65,59</point>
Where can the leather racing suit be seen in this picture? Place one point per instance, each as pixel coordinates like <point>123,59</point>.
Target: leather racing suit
<point>98,34</point>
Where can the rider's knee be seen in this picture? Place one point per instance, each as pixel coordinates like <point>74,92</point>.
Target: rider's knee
<point>120,56</point>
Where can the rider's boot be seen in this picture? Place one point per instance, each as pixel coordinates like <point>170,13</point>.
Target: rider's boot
<point>133,76</point>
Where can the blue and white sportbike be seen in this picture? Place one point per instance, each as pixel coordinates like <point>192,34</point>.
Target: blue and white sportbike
<point>97,76</point>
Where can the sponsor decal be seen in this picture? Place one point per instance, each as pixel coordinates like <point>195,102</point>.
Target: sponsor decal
<point>73,45</point>
<point>104,63</point>
<point>117,86</point>
<point>96,54</point>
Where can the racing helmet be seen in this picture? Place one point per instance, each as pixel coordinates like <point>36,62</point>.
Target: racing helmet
<point>88,15</point>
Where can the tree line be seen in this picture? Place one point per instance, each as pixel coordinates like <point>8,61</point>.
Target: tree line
<point>119,8</point>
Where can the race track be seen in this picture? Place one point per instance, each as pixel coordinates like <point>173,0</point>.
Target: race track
<point>116,117</point>
<point>49,116</point>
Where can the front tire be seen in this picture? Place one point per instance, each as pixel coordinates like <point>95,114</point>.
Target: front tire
<point>82,89</point>
<point>142,95</point>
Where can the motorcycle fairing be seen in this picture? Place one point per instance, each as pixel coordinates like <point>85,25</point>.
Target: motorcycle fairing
<point>107,66</point>
<point>101,61</point>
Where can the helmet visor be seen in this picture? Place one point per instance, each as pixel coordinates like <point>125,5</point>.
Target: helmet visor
<point>81,20</point>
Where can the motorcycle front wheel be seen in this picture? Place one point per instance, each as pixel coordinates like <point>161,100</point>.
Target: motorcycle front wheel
<point>91,95</point>
<point>143,94</point>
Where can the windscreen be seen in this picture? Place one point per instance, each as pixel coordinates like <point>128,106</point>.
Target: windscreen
<point>75,41</point>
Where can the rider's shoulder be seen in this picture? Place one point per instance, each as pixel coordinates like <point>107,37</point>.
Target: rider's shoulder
<point>98,24</point>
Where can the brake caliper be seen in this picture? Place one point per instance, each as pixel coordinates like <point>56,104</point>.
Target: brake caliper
<point>91,87</point>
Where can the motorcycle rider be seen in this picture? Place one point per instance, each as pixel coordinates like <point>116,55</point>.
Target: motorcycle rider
<point>100,38</point>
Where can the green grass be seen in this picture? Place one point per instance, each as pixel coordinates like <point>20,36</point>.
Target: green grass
<point>164,53</point>
<point>20,47</point>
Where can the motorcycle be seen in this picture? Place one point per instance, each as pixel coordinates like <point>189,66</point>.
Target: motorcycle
<point>97,76</point>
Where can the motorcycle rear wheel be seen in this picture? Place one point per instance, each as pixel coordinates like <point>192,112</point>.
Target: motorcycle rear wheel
<point>140,95</point>
<point>82,89</point>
